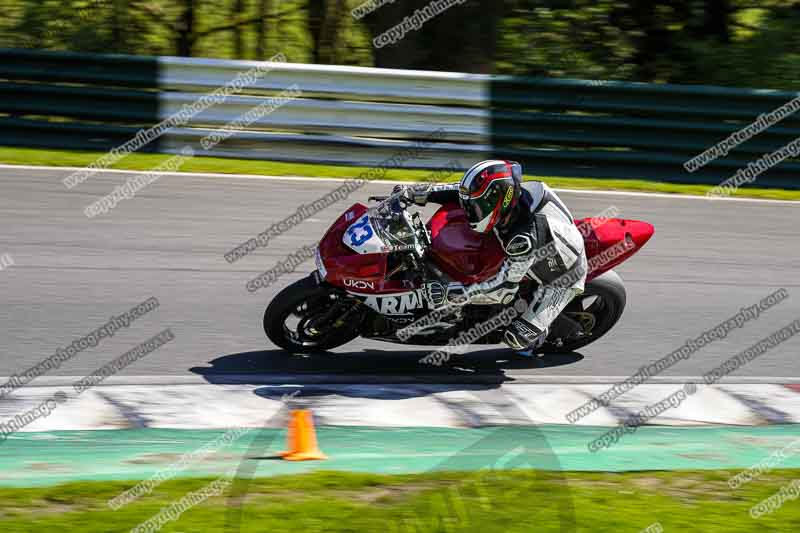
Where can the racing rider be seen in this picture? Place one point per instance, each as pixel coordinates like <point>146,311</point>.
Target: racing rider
<point>527,218</point>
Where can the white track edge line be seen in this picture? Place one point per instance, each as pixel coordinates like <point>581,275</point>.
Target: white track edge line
<point>392,182</point>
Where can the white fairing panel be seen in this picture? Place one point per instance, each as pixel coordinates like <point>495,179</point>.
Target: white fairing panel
<point>398,303</point>
<point>362,238</point>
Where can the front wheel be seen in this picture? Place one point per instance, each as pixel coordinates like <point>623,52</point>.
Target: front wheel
<point>308,316</point>
<point>594,313</point>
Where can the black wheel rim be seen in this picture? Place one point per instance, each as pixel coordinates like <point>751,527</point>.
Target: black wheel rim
<point>300,324</point>
<point>589,310</point>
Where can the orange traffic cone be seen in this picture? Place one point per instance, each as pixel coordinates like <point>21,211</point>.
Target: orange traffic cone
<point>302,438</point>
<point>291,434</point>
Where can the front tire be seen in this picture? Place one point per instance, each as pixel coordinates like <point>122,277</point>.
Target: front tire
<point>294,319</point>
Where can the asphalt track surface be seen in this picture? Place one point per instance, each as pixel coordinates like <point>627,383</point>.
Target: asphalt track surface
<point>707,259</point>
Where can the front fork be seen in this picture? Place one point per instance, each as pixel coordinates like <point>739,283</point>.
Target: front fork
<point>345,310</point>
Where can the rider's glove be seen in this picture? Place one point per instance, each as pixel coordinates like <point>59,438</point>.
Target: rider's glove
<point>454,294</point>
<point>417,194</point>
<point>521,335</point>
<point>435,293</point>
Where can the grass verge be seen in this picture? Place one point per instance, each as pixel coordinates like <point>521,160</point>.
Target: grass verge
<point>136,161</point>
<point>495,502</point>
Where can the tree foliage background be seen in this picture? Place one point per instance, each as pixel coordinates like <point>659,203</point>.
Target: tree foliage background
<point>744,43</point>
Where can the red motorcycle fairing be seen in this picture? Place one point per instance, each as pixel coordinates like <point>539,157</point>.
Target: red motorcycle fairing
<point>463,254</point>
<point>600,235</point>
<point>354,272</point>
<point>470,257</point>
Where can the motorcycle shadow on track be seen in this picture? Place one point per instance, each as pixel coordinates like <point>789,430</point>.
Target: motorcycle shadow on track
<point>485,368</point>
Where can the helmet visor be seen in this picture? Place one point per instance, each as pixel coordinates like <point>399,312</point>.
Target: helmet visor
<point>480,210</point>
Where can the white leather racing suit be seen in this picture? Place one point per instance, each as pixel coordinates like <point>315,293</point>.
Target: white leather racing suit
<point>542,243</point>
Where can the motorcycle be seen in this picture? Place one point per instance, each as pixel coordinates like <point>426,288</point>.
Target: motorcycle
<point>382,274</point>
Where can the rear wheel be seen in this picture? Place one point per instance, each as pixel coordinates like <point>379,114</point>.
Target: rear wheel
<point>594,313</point>
<point>309,317</point>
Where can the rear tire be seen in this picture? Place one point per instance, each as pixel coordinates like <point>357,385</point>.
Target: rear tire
<point>609,297</point>
<point>305,299</point>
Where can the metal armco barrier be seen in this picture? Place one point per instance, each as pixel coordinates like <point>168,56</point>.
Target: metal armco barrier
<point>363,116</point>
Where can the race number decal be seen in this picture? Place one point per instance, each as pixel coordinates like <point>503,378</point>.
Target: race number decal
<point>360,232</point>
<point>361,237</point>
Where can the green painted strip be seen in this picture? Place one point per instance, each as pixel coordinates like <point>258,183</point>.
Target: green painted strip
<point>32,459</point>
